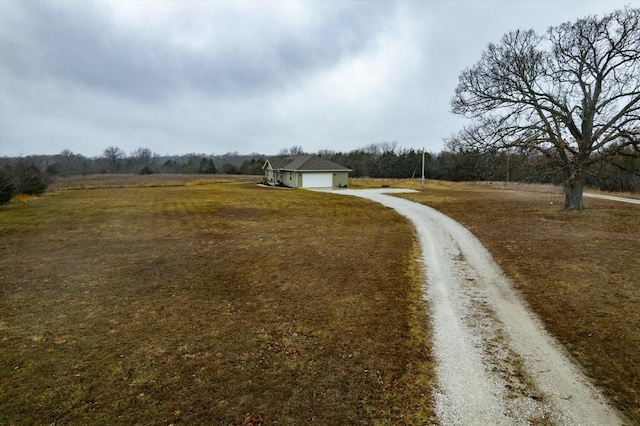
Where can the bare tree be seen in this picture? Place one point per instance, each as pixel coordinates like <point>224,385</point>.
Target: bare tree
<point>69,163</point>
<point>378,151</point>
<point>294,150</point>
<point>113,155</point>
<point>142,157</point>
<point>571,94</point>
<point>326,153</point>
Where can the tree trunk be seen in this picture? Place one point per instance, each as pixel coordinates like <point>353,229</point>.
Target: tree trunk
<point>573,189</point>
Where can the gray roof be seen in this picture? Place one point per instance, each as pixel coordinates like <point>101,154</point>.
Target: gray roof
<point>308,163</point>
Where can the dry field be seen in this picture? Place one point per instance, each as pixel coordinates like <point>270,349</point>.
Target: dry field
<point>228,303</point>
<point>580,272</point>
<point>153,180</point>
<point>223,303</point>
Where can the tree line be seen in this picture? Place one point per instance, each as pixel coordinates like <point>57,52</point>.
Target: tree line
<point>611,172</point>
<point>143,161</point>
<point>32,174</point>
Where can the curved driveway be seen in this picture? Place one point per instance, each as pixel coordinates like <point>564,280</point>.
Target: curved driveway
<point>612,198</point>
<point>496,365</point>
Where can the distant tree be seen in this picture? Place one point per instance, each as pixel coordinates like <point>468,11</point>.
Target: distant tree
<point>389,147</point>
<point>251,167</point>
<point>207,167</point>
<point>53,169</point>
<point>361,162</point>
<point>170,166</point>
<point>229,169</point>
<point>569,95</point>
<point>142,157</point>
<point>7,189</point>
<point>326,153</point>
<point>113,155</point>
<point>294,150</point>
<point>69,163</point>
<point>617,172</point>
<point>191,164</point>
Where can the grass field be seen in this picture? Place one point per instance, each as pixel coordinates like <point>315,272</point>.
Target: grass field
<point>221,303</point>
<point>129,180</point>
<point>228,303</point>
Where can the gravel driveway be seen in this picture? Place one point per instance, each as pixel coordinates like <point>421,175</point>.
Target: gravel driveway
<point>496,365</point>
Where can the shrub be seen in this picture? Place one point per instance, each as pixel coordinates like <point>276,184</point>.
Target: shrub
<point>6,188</point>
<point>28,179</point>
<point>146,170</point>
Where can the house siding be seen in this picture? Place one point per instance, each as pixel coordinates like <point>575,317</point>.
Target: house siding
<point>340,179</point>
<point>270,176</point>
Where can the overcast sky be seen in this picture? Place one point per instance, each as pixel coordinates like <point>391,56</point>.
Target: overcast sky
<point>250,76</point>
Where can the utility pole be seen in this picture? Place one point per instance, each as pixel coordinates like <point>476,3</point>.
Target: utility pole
<point>422,167</point>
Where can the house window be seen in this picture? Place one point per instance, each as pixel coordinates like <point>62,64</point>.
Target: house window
<point>290,175</point>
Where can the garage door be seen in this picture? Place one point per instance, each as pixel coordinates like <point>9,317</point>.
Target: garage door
<point>317,180</point>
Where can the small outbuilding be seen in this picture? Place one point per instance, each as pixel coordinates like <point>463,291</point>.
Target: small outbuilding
<point>305,171</point>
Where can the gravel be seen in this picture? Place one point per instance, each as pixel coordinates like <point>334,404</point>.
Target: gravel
<point>496,365</point>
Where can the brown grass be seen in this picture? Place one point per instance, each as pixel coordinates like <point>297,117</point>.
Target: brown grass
<point>580,272</point>
<point>199,303</point>
<point>153,180</point>
<point>23,198</point>
<point>555,191</point>
<point>210,304</point>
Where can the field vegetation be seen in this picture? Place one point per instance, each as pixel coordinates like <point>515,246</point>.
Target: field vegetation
<point>194,302</point>
<point>220,303</point>
<point>107,180</point>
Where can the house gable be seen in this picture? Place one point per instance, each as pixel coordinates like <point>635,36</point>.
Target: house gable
<point>275,163</point>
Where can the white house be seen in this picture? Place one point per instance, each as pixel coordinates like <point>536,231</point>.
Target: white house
<point>305,171</point>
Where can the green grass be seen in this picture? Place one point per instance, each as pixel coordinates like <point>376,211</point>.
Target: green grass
<point>210,304</point>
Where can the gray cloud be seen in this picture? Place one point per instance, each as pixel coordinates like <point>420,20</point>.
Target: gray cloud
<point>80,42</point>
<point>214,77</point>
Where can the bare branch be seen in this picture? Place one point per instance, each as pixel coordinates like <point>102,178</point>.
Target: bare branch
<point>574,91</point>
